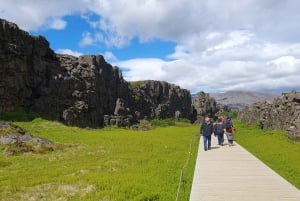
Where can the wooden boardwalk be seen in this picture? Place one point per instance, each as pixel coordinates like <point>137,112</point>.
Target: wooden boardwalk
<point>233,174</point>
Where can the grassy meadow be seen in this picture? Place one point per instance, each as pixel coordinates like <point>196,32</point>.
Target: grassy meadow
<point>114,164</point>
<point>273,148</point>
<point>109,164</point>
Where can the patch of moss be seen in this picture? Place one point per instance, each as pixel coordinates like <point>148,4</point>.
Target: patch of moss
<point>135,84</point>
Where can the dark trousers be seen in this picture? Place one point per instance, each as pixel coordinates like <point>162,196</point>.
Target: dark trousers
<point>220,139</point>
<point>207,142</point>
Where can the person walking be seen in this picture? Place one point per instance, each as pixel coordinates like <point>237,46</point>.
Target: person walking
<point>219,131</point>
<point>229,129</point>
<point>206,131</point>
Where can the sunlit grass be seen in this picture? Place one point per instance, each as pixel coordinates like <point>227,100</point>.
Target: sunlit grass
<point>273,148</point>
<point>107,164</point>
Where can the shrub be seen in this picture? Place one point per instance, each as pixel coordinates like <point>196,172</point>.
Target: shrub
<point>163,122</point>
<point>184,120</point>
<point>135,83</point>
<point>144,125</point>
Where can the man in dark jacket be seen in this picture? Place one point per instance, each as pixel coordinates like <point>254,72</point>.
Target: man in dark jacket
<point>206,131</point>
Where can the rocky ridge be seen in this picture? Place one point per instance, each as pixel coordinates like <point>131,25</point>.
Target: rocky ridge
<point>283,113</point>
<point>203,105</point>
<point>85,91</point>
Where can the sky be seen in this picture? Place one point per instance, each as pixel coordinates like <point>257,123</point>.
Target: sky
<point>201,45</point>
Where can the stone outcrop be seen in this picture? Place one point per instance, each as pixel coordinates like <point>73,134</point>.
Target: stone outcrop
<point>203,105</point>
<point>283,113</point>
<point>84,91</point>
<point>25,63</point>
<point>158,99</point>
<point>81,91</point>
<point>151,99</point>
<point>17,140</point>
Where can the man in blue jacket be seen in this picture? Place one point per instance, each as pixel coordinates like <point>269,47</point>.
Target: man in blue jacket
<point>206,131</point>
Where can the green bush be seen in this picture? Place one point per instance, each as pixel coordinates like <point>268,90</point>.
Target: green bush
<point>163,122</point>
<point>144,125</point>
<point>184,120</point>
<point>135,83</point>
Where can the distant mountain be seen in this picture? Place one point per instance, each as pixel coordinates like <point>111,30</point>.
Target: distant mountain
<point>239,99</point>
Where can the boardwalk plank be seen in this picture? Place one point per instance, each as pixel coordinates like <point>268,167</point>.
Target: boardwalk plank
<point>233,174</point>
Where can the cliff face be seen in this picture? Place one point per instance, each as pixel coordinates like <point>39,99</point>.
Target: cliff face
<point>84,91</point>
<point>283,113</point>
<point>25,65</point>
<point>80,91</point>
<point>158,99</point>
<point>203,105</point>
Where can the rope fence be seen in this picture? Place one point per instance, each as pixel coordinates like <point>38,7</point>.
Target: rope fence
<point>182,171</point>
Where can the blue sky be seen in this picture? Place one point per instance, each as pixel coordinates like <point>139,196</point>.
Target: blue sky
<point>200,45</point>
<point>71,36</point>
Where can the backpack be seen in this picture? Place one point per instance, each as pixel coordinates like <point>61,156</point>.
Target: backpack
<point>228,126</point>
<point>219,128</point>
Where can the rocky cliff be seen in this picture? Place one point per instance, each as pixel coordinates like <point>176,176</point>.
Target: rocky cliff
<point>283,113</point>
<point>25,65</point>
<point>162,100</point>
<point>203,105</point>
<point>84,91</point>
<point>81,91</point>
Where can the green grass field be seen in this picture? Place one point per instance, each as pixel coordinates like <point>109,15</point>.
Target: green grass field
<point>273,148</point>
<point>102,164</point>
<point>114,164</point>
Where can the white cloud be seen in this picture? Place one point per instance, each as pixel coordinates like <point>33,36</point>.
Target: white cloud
<point>69,52</point>
<point>235,38</point>
<point>87,39</point>
<point>33,15</point>
<point>56,24</point>
<point>244,64</point>
<point>142,69</point>
<point>110,57</point>
<point>284,66</point>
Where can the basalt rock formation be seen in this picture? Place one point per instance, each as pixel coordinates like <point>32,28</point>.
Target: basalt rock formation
<point>283,113</point>
<point>151,99</point>
<point>85,91</point>
<point>203,105</point>
<point>26,63</point>
<point>81,91</point>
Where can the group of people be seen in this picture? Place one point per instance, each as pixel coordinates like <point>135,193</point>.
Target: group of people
<point>218,129</point>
